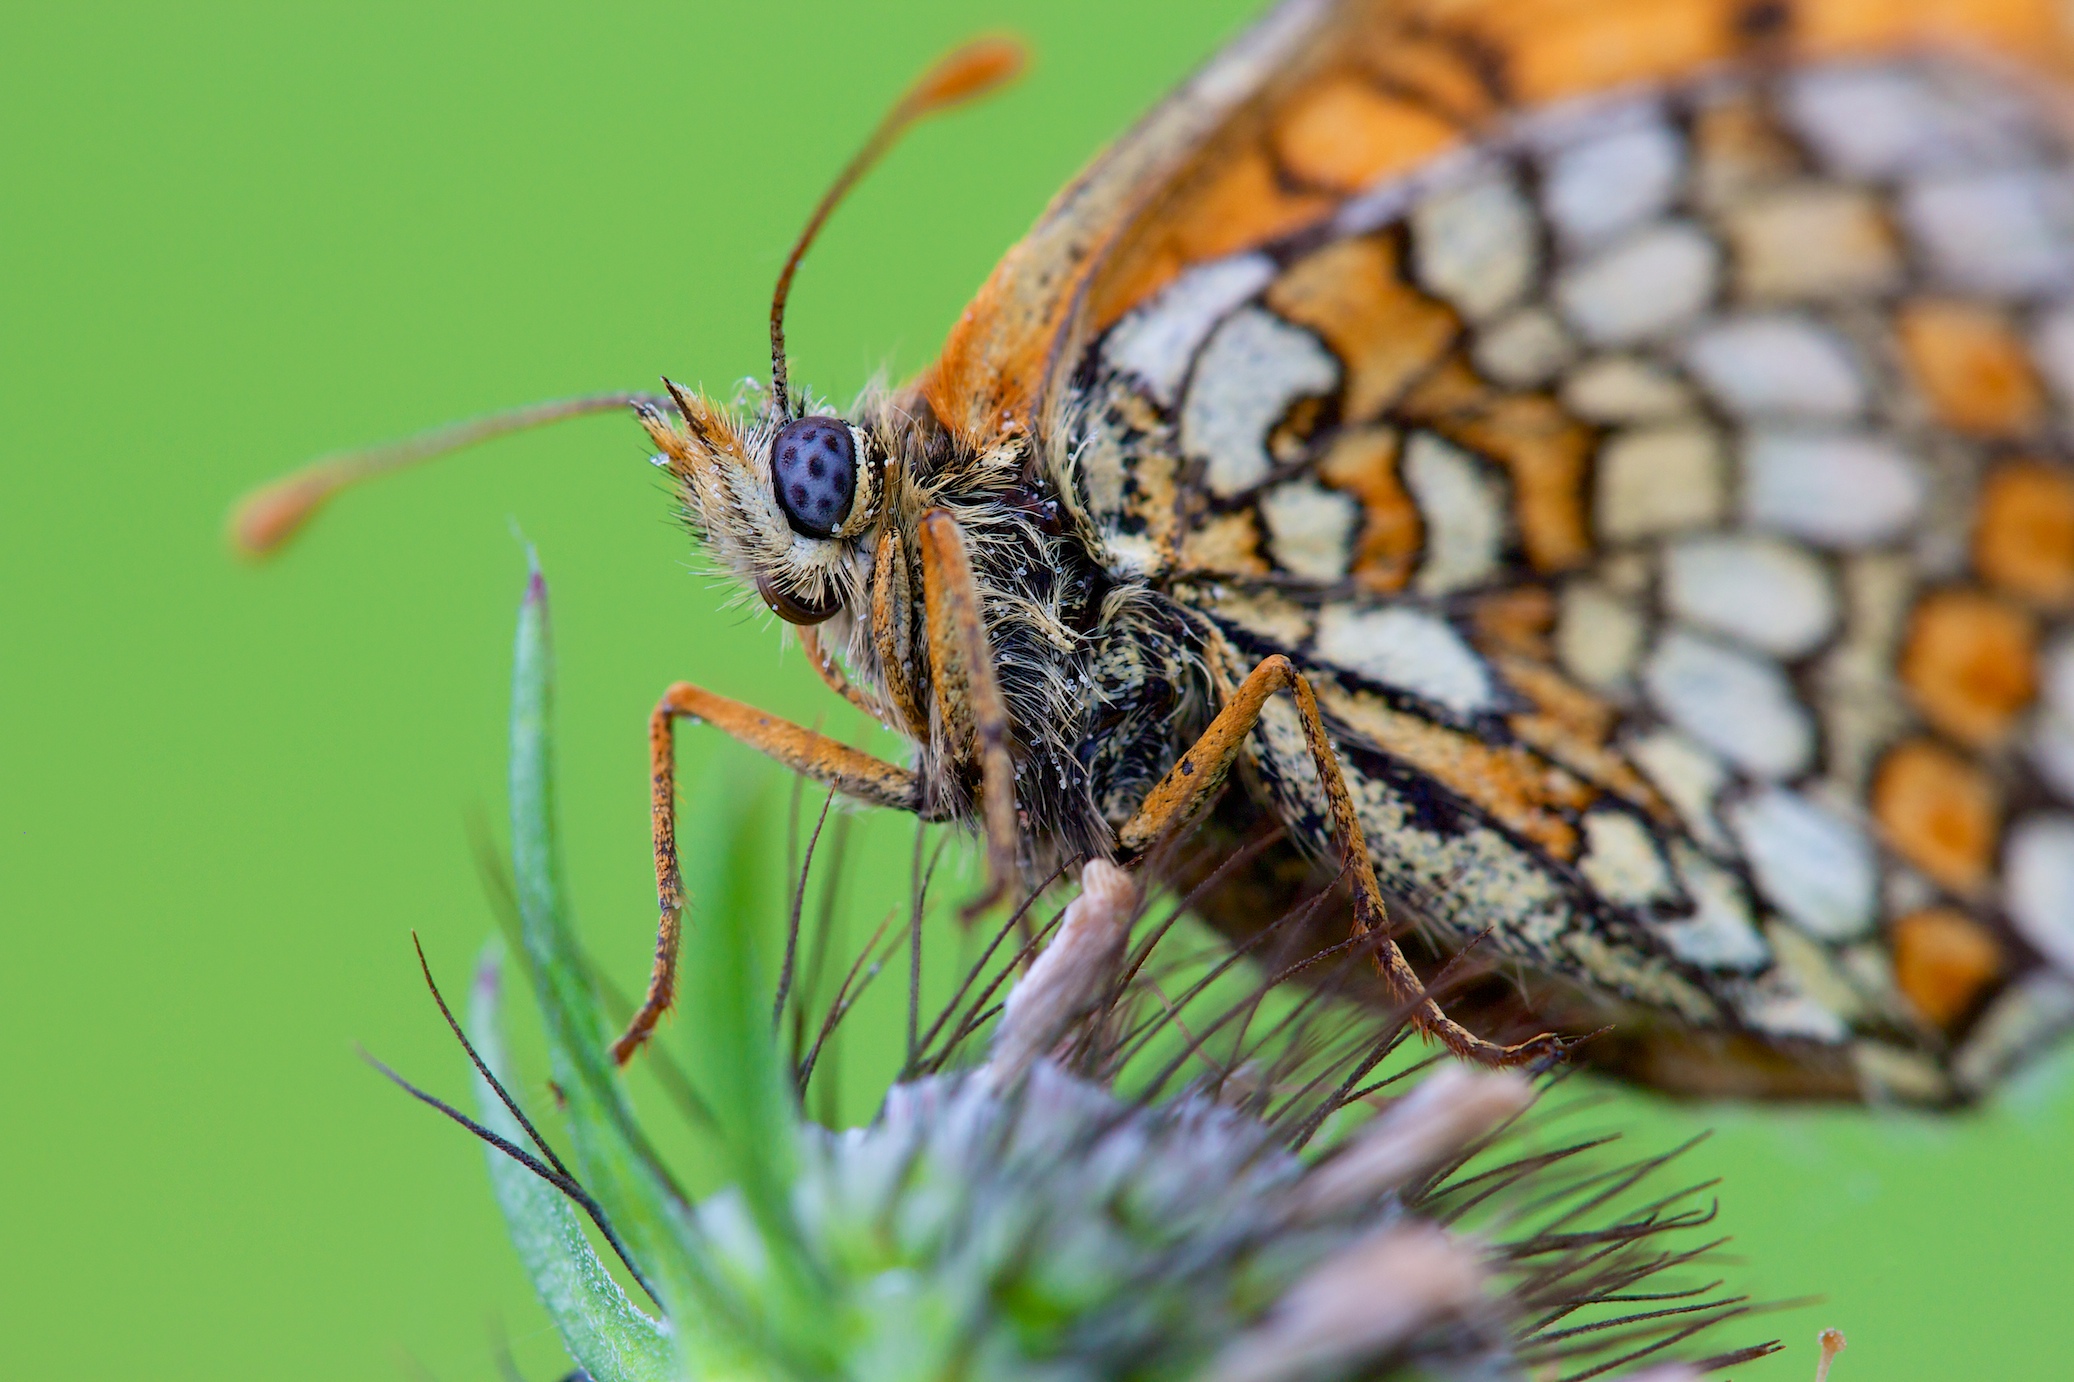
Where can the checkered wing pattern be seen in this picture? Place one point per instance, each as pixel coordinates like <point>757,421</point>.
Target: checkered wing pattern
<point>1661,468</point>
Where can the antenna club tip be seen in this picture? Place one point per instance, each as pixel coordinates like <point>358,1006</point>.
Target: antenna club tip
<point>977,68</point>
<point>1832,1343</point>
<point>264,521</point>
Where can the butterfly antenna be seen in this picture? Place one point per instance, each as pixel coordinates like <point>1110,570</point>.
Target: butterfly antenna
<point>265,519</point>
<point>973,70</point>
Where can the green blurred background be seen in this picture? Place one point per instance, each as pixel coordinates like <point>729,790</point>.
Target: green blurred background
<point>238,235</point>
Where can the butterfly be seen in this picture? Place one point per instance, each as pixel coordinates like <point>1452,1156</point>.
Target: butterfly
<point>1592,476</point>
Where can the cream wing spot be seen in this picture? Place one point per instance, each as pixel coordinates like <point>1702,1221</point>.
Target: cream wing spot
<point>1810,863</point>
<point>1625,968</point>
<point>1880,121</point>
<point>2052,751</point>
<point>1103,463</point>
<point>1690,778</point>
<point>1721,932</point>
<point>1310,529</point>
<point>1622,862</point>
<point>1262,613</point>
<point>1815,971</point>
<point>1254,366</point>
<point>1737,704</point>
<point>1464,513</point>
<point>1598,635</point>
<point>1860,701</point>
<point>1134,553</point>
<point>2039,881</point>
<point>1598,187</point>
<point>1127,464</point>
<point>1758,590</point>
<point>2058,676</point>
<point>1408,650</point>
<point>1660,479</point>
<point>2006,233</point>
<point>1777,365</point>
<point>1812,242</point>
<point>1157,342</point>
<point>1621,388</point>
<point>1838,489</point>
<point>1476,246</point>
<point>1643,287</point>
<point>1778,1005</point>
<point>1525,349</point>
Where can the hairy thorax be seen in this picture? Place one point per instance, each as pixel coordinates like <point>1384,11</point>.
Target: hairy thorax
<point>1103,674</point>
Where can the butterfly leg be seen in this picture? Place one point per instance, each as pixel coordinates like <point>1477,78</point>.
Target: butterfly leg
<point>1191,784</point>
<point>832,675</point>
<point>827,761</point>
<point>968,697</point>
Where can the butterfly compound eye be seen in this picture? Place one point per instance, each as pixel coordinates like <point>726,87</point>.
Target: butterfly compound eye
<point>814,470</point>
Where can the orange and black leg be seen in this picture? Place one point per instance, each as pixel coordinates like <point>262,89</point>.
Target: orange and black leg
<point>827,761</point>
<point>969,703</point>
<point>1191,784</point>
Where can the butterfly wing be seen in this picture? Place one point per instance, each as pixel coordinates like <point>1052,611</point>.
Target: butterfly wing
<point>1643,422</point>
<point>1322,100</point>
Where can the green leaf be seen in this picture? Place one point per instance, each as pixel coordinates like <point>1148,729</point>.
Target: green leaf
<point>611,1155</point>
<point>773,1318</point>
<point>724,1021</point>
<point>606,1335</point>
<point>724,1008</point>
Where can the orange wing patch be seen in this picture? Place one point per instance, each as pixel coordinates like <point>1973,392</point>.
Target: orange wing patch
<point>1344,134</point>
<point>2024,538</point>
<point>1518,620</point>
<point>1571,726</point>
<point>1228,543</point>
<point>1971,662</point>
<point>1939,810</point>
<point>1234,203</point>
<point>1363,462</point>
<point>1544,447</point>
<point>1558,48</point>
<point>1973,368</point>
<point>1824,28</point>
<point>1942,960</point>
<point>1514,786</point>
<point>1385,332</point>
<point>1429,72</point>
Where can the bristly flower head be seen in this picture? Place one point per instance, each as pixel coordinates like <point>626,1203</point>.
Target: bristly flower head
<point>1143,1164</point>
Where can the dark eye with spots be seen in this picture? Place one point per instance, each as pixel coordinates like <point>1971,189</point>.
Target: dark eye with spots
<point>814,469</point>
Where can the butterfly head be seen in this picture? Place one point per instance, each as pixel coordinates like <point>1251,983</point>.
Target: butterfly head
<point>784,501</point>
<point>778,502</point>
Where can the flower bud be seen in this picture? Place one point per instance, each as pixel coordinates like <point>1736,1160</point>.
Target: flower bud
<point>1068,978</point>
<point>1445,1113</point>
<point>1372,1296</point>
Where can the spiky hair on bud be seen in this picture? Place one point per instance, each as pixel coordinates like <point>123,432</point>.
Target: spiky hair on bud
<point>1117,1150</point>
